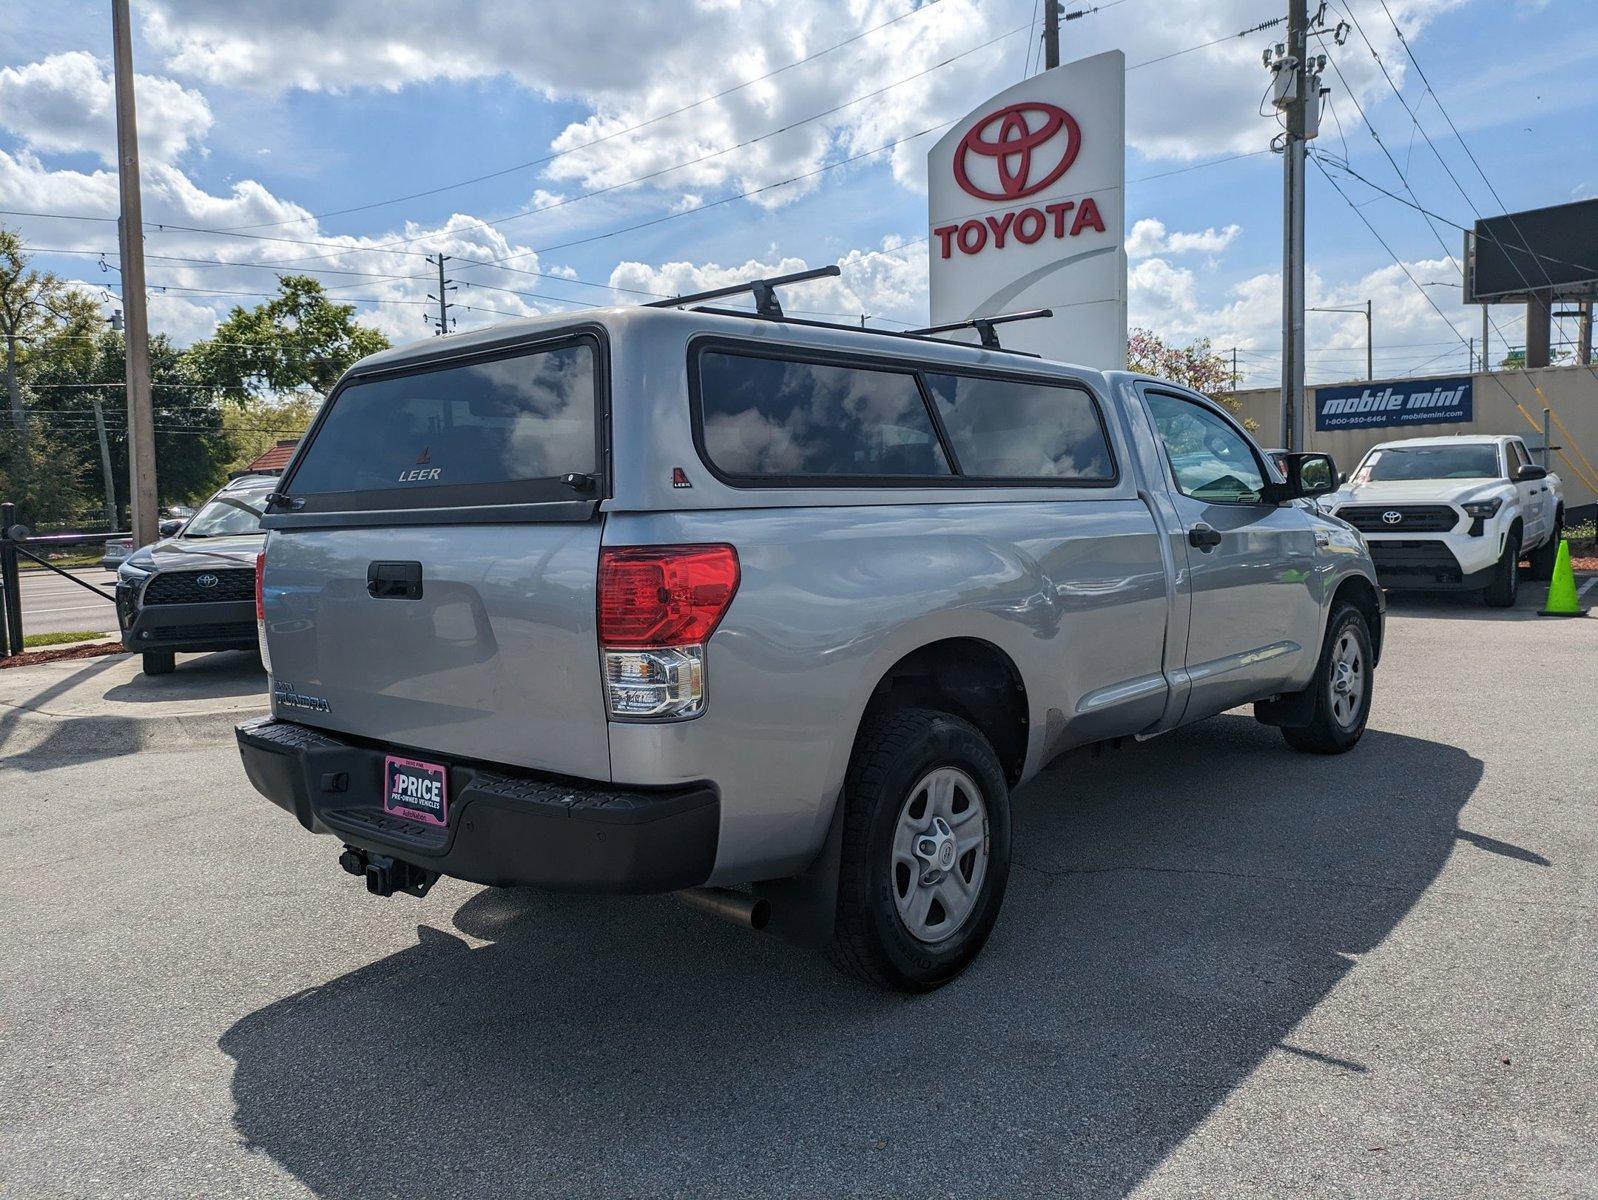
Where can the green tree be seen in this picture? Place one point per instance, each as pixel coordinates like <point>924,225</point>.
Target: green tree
<point>44,477</point>
<point>257,424</point>
<point>297,341</point>
<point>191,446</point>
<point>36,309</point>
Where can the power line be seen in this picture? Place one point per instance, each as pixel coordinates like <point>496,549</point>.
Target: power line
<point>397,246</point>
<point>1263,25</point>
<point>1418,126</point>
<point>1493,375</point>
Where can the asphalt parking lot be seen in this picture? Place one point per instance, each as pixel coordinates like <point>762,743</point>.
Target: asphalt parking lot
<point>1222,969</point>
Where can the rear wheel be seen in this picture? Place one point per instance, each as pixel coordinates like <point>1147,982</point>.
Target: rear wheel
<point>1342,687</point>
<point>1541,560</point>
<point>1505,584</point>
<point>160,662</point>
<point>926,850</point>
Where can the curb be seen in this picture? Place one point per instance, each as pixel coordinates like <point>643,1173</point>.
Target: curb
<point>26,733</point>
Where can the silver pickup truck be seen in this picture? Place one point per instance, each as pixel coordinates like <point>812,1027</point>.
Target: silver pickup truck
<point>771,613</point>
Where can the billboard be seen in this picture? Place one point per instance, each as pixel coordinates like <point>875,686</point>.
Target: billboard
<point>1024,196</point>
<point>1543,249</point>
<point>1406,402</point>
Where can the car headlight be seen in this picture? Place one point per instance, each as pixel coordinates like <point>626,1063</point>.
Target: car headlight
<point>1483,508</point>
<point>127,572</point>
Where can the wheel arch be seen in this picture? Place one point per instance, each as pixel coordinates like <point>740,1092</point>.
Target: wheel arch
<point>1363,595</point>
<point>970,678</point>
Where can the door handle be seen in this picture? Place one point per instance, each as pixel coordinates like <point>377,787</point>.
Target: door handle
<point>394,580</point>
<point>1205,538</point>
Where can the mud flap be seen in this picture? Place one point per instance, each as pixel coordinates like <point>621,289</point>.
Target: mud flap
<point>805,907</point>
<point>1293,711</point>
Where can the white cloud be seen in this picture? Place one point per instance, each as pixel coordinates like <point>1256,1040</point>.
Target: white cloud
<point>188,270</point>
<point>1183,305</point>
<point>887,285</point>
<point>66,104</point>
<point>1149,236</point>
<point>1189,104</point>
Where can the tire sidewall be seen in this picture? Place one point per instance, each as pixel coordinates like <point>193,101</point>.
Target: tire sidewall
<point>946,742</point>
<point>1505,588</point>
<point>1346,618</point>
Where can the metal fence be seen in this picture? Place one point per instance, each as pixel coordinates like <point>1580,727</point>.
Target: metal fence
<point>14,542</point>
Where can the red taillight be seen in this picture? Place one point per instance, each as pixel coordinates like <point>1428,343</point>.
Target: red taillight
<point>652,596</point>
<point>260,598</point>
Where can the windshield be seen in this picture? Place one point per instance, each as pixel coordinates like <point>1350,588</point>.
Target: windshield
<point>1477,460</point>
<point>503,420</point>
<point>228,513</point>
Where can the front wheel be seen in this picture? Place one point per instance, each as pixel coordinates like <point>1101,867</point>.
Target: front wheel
<point>926,850</point>
<point>159,662</point>
<point>1505,585</point>
<point>1342,687</point>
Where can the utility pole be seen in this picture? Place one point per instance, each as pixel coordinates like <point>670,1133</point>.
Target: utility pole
<point>130,230</point>
<point>1486,323</point>
<point>1293,87</point>
<point>1051,34</point>
<point>442,323</point>
<point>1584,335</point>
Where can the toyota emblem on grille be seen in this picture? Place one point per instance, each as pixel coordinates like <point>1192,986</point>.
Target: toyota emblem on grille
<point>207,580</point>
<point>1391,517</point>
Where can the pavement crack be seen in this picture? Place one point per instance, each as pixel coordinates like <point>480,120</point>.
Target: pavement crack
<point>1053,874</point>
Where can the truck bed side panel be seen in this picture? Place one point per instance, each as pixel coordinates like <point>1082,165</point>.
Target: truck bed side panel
<point>1073,591</point>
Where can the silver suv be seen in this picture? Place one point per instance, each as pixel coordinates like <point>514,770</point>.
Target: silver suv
<point>772,613</point>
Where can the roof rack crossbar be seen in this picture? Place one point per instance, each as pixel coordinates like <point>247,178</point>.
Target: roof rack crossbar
<point>763,290</point>
<point>984,325</point>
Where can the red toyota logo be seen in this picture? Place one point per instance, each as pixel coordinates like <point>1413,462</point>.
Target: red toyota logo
<point>1012,148</point>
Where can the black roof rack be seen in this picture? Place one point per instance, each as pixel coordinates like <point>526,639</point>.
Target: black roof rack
<point>767,308</point>
<point>763,289</point>
<point>984,325</point>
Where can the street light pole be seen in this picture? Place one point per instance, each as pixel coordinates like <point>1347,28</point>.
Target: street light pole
<point>1370,342</point>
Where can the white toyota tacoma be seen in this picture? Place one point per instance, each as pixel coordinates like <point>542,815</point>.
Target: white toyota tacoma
<point>1454,512</point>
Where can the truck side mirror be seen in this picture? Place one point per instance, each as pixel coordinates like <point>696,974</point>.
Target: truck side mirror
<point>1310,475</point>
<point>1529,472</point>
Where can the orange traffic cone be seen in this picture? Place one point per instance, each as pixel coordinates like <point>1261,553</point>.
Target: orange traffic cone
<point>1562,598</point>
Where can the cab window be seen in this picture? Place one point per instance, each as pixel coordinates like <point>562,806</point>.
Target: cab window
<point>1210,460</point>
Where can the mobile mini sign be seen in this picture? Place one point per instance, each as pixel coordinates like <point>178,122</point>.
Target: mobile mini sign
<point>1024,199</point>
<point>1409,402</point>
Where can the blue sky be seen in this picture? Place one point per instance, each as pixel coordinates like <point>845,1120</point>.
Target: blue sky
<point>268,119</point>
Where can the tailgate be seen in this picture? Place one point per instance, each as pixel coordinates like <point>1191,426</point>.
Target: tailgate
<point>496,660</point>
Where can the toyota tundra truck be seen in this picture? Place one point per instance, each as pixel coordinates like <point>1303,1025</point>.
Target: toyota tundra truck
<point>771,613</point>
<point>1455,513</point>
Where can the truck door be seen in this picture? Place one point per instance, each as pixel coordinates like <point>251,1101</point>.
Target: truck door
<point>1254,627</point>
<point>1535,494</point>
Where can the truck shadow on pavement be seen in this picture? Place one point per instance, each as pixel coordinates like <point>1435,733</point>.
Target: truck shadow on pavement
<point>1175,911</point>
<point>1467,606</point>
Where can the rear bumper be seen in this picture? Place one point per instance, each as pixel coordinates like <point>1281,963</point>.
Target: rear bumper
<point>214,625</point>
<point>506,827</point>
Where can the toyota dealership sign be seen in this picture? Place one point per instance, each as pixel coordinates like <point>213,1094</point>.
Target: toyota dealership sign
<point>1025,200</point>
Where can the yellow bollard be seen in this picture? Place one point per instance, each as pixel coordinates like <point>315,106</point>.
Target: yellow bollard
<point>1562,599</point>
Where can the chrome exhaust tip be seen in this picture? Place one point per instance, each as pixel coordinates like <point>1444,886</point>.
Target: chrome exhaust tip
<point>752,912</point>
